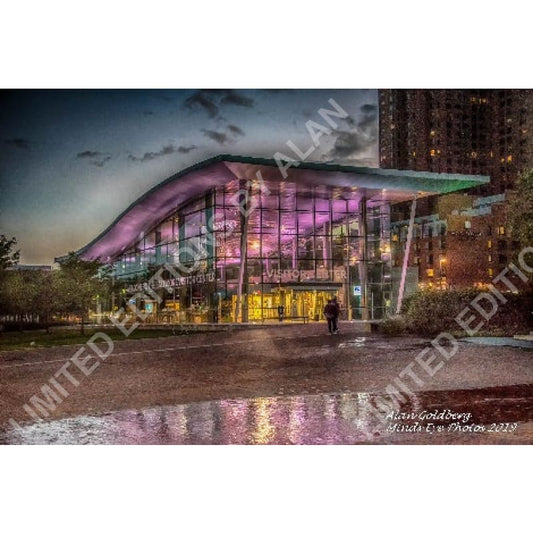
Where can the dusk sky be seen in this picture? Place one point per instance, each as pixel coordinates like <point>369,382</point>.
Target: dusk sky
<point>72,161</point>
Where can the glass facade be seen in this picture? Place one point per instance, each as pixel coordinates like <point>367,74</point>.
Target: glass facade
<point>246,249</point>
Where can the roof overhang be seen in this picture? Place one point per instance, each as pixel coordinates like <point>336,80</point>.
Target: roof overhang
<point>161,201</point>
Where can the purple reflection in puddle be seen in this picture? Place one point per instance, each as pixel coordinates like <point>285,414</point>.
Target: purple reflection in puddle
<point>310,419</point>
<point>338,418</point>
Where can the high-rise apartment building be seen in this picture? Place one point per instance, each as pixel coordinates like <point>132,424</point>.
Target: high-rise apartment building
<point>461,240</point>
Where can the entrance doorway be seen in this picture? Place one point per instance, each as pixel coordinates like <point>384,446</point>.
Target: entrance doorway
<point>297,302</point>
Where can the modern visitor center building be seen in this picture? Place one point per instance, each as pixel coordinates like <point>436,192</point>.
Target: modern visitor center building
<point>233,239</point>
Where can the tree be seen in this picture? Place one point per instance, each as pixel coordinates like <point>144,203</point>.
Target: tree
<point>7,256</point>
<point>520,211</point>
<point>44,296</point>
<point>16,295</point>
<point>29,294</point>
<point>78,285</point>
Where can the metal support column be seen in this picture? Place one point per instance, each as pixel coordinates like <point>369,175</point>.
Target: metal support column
<point>363,265</point>
<point>241,310</point>
<point>401,289</point>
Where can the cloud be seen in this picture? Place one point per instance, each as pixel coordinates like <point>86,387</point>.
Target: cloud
<point>23,144</point>
<point>369,108</point>
<point>232,97</point>
<point>217,136</point>
<point>147,113</point>
<point>354,143</point>
<point>98,159</point>
<point>211,100</point>
<point>89,154</point>
<point>350,121</point>
<point>186,149</point>
<point>201,99</point>
<point>166,150</point>
<point>235,130</point>
<point>348,144</point>
<point>370,116</point>
<point>102,162</point>
<point>229,136</point>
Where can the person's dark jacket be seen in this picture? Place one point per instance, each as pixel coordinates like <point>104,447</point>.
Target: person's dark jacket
<point>331,310</point>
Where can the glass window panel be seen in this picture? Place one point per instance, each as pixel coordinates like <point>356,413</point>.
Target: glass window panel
<point>304,202</point>
<point>166,231</point>
<point>219,196</point>
<point>191,250</point>
<point>353,206</point>
<point>339,206</point>
<point>254,220</point>
<point>270,245</point>
<point>229,220</point>
<point>305,223</point>
<point>161,254</point>
<point>194,223</point>
<point>196,205</point>
<point>287,196</point>
<point>321,220</point>
<point>172,252</point>
<point>288,222</point>
<point>305,248</point>
<point>269,221</point>
<point>231,270</point>
<point>254,244</point>
<point>254,268</point>
<point>322,204</point>
<point>230,189</point>
<point>338,252</point>
<point>270,269</point>
<point>270,201</point>
<point>289,248</point>
<point>149,240</point>
<point>232,245</point>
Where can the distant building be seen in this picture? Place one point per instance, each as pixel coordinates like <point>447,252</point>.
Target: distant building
<point>478,132</point>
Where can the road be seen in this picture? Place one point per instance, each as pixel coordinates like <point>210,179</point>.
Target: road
<point>234,383</point>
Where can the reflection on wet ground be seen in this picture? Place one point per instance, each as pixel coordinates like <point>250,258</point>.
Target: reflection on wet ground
<point>312,419</point>
<point>500,341</point>
<point>358,342</point>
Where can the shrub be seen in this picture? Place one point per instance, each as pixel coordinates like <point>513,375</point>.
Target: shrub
<point>393,326</point>
<point>432,311</point>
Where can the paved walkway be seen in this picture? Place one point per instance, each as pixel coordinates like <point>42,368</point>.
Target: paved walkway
<point>273,362</point>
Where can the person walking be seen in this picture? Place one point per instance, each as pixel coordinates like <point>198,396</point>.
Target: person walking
<point>337,313</point>
<point>331,313</point>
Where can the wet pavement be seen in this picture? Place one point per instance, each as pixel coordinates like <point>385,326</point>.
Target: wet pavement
<point>291,384</point>
<point>500,341</point>
<point>497,415</point>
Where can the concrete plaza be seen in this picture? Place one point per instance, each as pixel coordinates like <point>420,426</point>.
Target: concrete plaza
<point>274,366</point>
